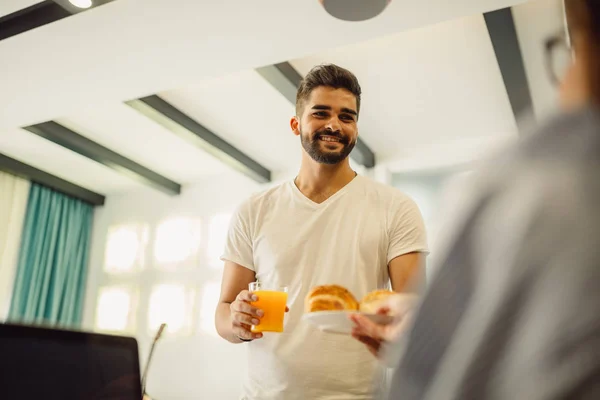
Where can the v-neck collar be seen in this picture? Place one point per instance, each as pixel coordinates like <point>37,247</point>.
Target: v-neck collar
<point>314,204</point>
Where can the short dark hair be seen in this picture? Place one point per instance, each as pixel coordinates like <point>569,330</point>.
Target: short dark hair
<point>329,75</point>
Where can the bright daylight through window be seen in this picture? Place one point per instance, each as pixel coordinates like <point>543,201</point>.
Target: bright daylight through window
<point>114,309</point>
<point>171,304</point>
<point>177,240</point>
<point>125,249</point>
<point>172,270</point>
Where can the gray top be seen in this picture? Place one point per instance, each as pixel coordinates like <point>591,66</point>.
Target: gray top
<point>514,309</point>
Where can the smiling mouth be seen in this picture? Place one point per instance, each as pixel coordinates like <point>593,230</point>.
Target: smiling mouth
<point>330,139</point>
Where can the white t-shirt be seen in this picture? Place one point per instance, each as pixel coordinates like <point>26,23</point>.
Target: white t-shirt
<point>289,240</point>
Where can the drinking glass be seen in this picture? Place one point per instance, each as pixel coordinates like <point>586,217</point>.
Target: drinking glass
<point>272,301</point>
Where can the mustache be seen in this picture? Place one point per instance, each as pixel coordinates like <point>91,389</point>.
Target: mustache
<point>318,135</point>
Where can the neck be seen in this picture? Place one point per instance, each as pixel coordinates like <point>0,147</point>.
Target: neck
<point>320,181</point>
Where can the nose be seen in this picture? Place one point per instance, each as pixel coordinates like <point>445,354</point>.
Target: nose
<point>333,124</point>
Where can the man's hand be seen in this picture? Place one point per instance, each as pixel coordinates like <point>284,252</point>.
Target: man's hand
<point>244,315</point>
<point>235,315</point>
<point>373,335</point>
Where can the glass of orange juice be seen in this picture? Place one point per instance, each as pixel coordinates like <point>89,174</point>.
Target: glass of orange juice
<point>272,300</point>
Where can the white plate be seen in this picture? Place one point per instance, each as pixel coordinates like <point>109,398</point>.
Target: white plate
<point>339,321</point>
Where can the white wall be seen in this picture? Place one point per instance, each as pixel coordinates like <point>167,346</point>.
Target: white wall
<point>438,195</point>
<point>197,365</point>
<point>548,20</point>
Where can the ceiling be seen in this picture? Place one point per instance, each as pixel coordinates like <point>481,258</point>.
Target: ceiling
<point>11,6</point>
<point>418,93</point>
<point>432,87</point>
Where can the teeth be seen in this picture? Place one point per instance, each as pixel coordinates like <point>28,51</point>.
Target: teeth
<point>329,139</point>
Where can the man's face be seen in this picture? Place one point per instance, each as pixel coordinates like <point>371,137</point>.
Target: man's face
<point>328,125</point>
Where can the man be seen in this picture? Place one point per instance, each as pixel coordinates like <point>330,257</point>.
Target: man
<point>513,312</point>
<point>327,226</point>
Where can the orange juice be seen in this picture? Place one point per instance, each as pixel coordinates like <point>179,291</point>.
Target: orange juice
<point>273,304</point>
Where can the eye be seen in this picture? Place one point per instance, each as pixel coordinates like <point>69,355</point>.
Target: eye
<point>320,114</point>
<point>347,117</point>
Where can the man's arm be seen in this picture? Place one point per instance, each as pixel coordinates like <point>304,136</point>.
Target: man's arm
<point>407,272</point>
<point>233,286</point>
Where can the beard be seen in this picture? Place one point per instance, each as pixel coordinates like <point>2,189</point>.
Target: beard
<point>314,147</point>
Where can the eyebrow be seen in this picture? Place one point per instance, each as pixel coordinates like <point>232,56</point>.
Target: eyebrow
<point>328,108</point>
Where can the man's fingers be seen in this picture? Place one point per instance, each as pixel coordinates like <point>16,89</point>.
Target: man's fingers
<point>247,296</point>
<point>372,334</point>
<point>243,307</point>
<point>242,331</point>
<point>245,319</point>
<point>370,342</point>
<point>372,345</point>
<point>368,327</point>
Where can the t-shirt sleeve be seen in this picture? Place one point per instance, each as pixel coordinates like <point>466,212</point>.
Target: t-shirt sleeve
<point>406,229</point>
<point>238,245</point>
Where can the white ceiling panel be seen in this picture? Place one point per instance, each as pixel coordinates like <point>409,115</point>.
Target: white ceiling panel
<point>427,88</point>
<point>432,84</point>
<point>11,6</point>
<point>131,134</point>
<point>56,160</point>
<point>247,112</point>
<point>116,52</point>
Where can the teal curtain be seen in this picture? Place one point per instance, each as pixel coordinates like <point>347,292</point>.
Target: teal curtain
<point>51,273</point>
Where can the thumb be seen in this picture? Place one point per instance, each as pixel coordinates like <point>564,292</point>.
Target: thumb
<point>368,327</point>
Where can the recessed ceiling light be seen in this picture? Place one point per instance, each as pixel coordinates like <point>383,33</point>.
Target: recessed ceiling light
<point>81,3</point>
<point>354,10</point>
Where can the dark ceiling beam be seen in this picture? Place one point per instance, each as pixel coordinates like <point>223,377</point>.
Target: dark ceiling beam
<point>40,14</point>
<point>503,33</point>
<point>79,144</point>
<point>286,80</point>
<point>173,119</point>
<point>30,18</point>
<point>15,167</point>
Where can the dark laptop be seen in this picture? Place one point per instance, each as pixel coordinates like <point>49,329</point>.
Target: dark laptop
<point>39,363</point>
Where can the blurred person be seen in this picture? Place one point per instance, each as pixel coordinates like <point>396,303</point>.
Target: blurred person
<point>514,309</point>
<point>327,226</point>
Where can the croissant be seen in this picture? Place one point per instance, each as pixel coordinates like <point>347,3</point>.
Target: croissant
<point>330,298</point>
<point>374,300</point>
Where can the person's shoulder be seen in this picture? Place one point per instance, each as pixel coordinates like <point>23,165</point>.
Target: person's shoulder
<point>382,190</point>
<point>265,196</point>
<point>386,193</point>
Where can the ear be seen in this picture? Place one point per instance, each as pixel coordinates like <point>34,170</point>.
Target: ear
<point>295,125</point>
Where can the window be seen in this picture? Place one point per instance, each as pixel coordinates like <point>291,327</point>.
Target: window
<point>125,248</point>
<point>174,265</point>
<point>219,225</point>
<point>210,298</point>
<point>177,241</point>
<point>114,308</point>
<point>170,304</point>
